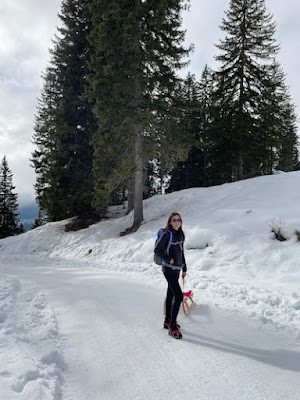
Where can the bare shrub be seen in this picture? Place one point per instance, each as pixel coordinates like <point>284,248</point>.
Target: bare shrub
<point>277,226</point>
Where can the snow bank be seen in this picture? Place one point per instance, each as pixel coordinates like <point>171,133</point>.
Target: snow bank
<point>233,259</point>
<point>30,359</point>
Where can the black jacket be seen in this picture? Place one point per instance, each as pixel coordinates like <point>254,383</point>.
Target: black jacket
<point>176,250</point>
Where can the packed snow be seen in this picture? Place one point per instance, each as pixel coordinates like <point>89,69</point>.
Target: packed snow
<point>30,360</point>
<point>81,312</point>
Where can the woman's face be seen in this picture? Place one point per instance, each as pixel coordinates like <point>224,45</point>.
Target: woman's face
<point>176,222</point>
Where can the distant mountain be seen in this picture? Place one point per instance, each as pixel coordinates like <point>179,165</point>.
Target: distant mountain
<point>27,215</point>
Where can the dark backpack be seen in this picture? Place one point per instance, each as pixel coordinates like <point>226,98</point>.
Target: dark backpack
<point>157,259</point>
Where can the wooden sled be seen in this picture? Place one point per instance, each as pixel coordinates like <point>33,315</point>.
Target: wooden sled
<point>187,302</point>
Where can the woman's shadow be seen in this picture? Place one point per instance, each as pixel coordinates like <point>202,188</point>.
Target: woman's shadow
<point>284,359</point>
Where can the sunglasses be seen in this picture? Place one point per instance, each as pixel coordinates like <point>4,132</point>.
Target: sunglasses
<point>176,220</point>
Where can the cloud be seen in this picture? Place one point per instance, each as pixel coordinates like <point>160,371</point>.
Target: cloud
<point>286,14</point>
<point>26,29</point>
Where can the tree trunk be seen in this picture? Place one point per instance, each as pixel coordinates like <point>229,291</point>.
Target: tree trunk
<point>161,176</point>
<point>130,196</point>
<point>241,124</point>
<point>240,168</point>
<point>204,168</point>
<point>138,179</point>
<point>271,161</point>
<point>138,130</point>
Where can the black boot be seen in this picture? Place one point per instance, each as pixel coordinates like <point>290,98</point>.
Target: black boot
<point>174,330</point>
<point>166,324</point>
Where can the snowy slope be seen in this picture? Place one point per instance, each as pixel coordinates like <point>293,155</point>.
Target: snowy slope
<point>232,257</point>
<point>245,330</point>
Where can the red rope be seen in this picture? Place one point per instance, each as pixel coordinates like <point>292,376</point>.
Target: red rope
<point>182,297</point>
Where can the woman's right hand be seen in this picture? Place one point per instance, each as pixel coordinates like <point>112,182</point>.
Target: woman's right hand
<point>172,261</point>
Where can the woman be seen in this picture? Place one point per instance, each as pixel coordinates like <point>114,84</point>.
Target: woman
<point>170,249</point>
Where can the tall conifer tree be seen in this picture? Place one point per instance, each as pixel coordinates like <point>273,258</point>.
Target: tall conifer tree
<point>277,146</point>
<point>64,122</point>
<point>9,221</point>
<point>247,52</point>
<point>196,169</point>
<point>43,156</point>
<point>138,47</point>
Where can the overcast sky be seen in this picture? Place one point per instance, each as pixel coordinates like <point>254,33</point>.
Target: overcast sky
<point>26,30</point>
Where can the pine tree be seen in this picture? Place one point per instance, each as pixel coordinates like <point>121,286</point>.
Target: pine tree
<point>277,126</point>
<point>65,123</point>
<point>43,157</point>
<point>9,222</point>
<point>40,220</point>
<point>247,53</point>
<point>21,228</point>
<point>196,169</point>
<point>138,46</point>
<point>174,131</point>
<point>288,153</point>
<point>188,125</point>
<point>269,125</point>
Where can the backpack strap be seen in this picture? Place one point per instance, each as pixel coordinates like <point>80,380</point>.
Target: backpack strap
<point>170,242</point>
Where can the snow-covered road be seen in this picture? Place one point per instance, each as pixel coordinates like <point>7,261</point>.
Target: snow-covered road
<point>104,340</point>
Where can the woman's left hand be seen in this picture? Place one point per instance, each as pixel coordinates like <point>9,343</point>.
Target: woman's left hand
<point>183,274</point>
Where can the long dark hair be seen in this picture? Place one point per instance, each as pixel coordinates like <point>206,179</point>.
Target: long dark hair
<point>169,223</point>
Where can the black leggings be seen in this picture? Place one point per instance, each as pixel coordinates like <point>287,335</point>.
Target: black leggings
<point>174,294</point>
